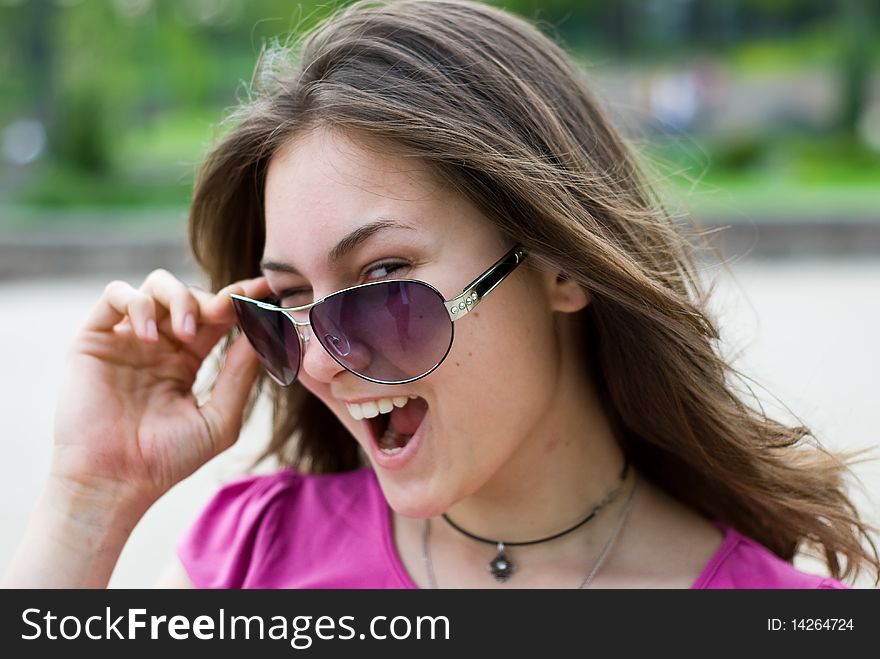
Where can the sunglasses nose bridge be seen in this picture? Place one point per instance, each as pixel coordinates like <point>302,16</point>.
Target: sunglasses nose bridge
<point>324,365</point>
<point>301,327</point>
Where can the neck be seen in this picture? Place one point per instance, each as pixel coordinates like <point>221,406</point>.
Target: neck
<point>606,500</point>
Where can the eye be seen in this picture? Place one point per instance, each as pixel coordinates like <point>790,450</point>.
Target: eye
<point>388,267</point>
<point>293,297</point>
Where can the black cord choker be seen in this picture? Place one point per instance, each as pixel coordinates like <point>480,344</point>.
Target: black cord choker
<point>501,566</point>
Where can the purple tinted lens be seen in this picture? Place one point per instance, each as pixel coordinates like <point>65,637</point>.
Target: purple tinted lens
<point>389,332</point>
<point>273,337</point>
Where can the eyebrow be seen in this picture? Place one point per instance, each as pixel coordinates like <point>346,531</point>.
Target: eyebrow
<point>348,244</point>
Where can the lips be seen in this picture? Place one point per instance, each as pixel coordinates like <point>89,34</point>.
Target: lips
<point>391,449</point>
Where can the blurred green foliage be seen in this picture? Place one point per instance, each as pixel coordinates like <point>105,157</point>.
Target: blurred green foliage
<point>129,90</point>
<point>755,178</point>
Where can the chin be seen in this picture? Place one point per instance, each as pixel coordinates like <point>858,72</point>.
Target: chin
<point>416,500</point>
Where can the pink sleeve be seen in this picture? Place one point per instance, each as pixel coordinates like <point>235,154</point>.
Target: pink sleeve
<point>832,584</point>
<point>742,562</point>
<point>229,538</point>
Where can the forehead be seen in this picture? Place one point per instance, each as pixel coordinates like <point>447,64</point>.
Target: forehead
<point>322,185</point>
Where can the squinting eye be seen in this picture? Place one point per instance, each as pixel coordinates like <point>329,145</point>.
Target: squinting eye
<point>293,298</point>
<point>389,267</point>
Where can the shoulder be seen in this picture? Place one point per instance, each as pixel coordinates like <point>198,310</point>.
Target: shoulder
<point>679,547</point>
<point>255,520</point>
<point>741,562</point>
<point>251,498</point>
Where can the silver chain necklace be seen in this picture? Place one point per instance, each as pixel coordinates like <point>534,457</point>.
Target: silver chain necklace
<point>606,550</point>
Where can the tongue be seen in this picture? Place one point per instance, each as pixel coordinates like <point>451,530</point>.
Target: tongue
<point>405,420</point>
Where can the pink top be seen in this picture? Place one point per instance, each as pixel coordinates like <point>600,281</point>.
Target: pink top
<point>292,530</point>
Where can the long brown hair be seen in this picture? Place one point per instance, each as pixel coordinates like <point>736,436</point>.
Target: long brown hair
<point>500,113</point>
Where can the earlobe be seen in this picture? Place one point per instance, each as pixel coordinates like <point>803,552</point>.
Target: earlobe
<point>568,295</point>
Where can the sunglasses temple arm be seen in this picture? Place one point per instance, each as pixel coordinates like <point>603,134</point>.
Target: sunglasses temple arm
<point>462,303</point>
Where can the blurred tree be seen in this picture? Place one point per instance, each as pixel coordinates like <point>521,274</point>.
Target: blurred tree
<point>127,88</point>
<point>857,19</point>
<point>86,82</point>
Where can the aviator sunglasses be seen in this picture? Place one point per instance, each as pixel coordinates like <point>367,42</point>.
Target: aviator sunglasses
<point>390,332</point>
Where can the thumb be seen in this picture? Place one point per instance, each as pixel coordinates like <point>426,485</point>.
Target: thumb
<point>223,412</point>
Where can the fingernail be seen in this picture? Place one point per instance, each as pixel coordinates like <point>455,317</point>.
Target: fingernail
<point>152,331</point>
<point>189,324</point>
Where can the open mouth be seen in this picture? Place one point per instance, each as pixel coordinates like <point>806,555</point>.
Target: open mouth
<point>393,430</point>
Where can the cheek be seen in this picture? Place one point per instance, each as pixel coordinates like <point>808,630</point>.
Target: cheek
<point>500,371</point>
<point>319,389</point>
<point>492,394</point>
<point>499,339</point>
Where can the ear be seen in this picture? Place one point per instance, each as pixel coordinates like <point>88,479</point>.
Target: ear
<point>565,294</point>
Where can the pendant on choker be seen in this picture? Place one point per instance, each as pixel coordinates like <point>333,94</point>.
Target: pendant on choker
<point>501,566</point>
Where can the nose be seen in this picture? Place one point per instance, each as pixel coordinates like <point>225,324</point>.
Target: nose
<point>316,362</point>
<point>320,357</point>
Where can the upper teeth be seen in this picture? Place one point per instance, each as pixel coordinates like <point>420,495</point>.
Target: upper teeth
<point>371,408</point>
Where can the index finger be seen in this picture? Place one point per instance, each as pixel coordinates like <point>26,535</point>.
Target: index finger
<point>219,308</point>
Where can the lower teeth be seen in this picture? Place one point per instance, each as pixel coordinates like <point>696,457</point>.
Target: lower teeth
<point>393,442</point>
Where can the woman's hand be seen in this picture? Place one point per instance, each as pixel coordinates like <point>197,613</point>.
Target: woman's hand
<point>127,422</point>
<point>128,426</point>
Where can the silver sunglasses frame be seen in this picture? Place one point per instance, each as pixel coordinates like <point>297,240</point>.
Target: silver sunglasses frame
<point>457,307</point>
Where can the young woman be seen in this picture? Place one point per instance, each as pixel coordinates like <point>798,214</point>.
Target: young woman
<point>486,345</point>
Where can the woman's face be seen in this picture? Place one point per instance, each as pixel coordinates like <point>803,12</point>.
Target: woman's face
<point>487,397</point>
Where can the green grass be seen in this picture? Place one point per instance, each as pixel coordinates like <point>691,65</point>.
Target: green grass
<point>178,139</point>
<point>62,188</point>
<point>159,219</point>
<point>777,198</point>
<point>823,178</point>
